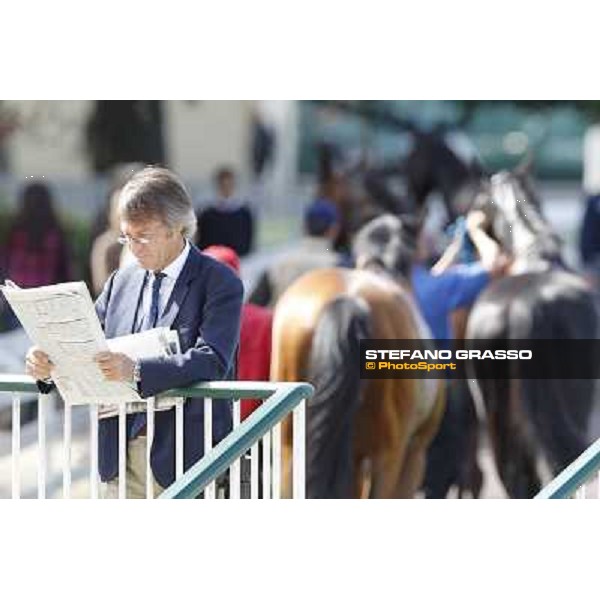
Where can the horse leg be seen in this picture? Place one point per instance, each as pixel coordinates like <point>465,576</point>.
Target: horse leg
<point>447,453</point>
<point>364,478</point>
<point>413,469</point>
<point>512,441</point>
<point>387,420</point>
<point>387,468</point>
<point>471,475</point>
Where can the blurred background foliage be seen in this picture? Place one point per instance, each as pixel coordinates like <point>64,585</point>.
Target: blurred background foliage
<point>502,131</point>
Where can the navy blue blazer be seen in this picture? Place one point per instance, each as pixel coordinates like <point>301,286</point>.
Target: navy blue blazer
<point>204,308</point>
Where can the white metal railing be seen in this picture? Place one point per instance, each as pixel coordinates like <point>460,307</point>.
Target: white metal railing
<point>262,425</point>
<point>57,430</point>
<point>579,480</point>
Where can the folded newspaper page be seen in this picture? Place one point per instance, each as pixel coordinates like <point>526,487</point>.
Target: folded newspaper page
<point>61,320</point>
<point>146,344</point>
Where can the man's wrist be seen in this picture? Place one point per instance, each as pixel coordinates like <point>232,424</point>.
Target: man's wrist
<point>136,376</point>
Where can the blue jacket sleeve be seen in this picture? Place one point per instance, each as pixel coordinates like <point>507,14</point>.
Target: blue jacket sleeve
<point>102,301</point>
<point>213,354</point>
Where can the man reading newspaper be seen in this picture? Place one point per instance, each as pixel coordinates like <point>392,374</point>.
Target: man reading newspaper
<point>170,285</point>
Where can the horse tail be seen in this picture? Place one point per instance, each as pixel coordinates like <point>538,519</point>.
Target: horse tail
<point>335,373</point>
<point>561,408</point>
<point>561,411</point>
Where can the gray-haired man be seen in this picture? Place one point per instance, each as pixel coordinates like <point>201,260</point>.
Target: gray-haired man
<point>171,285</point>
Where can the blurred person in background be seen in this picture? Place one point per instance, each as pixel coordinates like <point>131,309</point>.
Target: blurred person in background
<point>589,234</point>
<point>254,359</point>
<point>36,252</point>
<point>314,251</point>
<point>589,241</point>
<point>334,187</point>
<point>228,221</point>
<point>106,251</point>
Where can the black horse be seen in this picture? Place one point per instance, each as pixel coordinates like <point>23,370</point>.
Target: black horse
<point>540,299</point>
<point>441,161</point>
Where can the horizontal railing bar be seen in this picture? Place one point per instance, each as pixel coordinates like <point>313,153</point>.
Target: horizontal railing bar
<point>226,390</point>
<point>566,483</point>
<point>264,418</point>
<point>18,383</point>
<point>219,390</point>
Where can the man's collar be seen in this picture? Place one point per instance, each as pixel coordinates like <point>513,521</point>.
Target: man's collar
<point>174,269</point>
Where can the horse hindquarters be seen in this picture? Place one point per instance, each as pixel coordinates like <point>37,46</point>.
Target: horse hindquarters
<point>562,310</point>
<point>512,439</point>
<point>560,410</point>
<point>549,414</point>
<point>334,372</point>
<point>511,436</point>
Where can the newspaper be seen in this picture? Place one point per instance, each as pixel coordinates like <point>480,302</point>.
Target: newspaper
<point>61,320</point>
<point>151,343</point>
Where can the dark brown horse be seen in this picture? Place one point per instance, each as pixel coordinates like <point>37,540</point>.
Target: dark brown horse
<point>364,438</point>
<point>540,299</point>
<point>441,161</point>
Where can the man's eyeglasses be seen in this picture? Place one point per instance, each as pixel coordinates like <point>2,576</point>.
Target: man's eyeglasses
<point>127,240</point>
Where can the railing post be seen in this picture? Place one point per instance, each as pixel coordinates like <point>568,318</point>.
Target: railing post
<point>16,446</point>
<point>277,462</point>
<point>122,450</point>
<point>149,441</point>
<point>93,451</point>
<point>179,432</point>
<point>42,456</point>
<point>299,451</point>
<point>235,471</point>
<point>210,493</point>
<point>266,478</point>
<point>254,469</point>
<point>67,439</point>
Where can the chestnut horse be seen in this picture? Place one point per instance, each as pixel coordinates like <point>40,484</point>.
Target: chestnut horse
<point>365,438</point>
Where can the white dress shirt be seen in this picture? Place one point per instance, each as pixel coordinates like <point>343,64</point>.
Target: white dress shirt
<point>172,272</point>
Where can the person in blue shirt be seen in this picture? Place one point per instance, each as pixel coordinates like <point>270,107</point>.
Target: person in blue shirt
<point>589,240</point>
<point>441,291</point>
<point>448,286</point>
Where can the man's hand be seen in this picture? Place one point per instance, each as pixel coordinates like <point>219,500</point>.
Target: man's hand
<point>501,266</point>
<point>38,364</point>
<point>476,219</point>
<point>115,366</point>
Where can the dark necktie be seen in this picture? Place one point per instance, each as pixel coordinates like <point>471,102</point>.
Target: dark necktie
<point>138,420</point>
<point>153,314</point>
